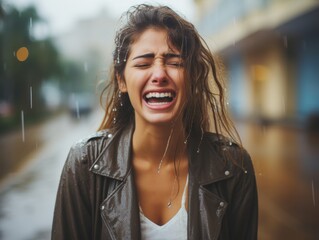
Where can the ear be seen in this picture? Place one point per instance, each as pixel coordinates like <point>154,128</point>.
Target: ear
<point>121,83</point>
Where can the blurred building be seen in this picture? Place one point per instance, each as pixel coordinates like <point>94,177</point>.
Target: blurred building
<point>90,40</point>
<point>88,46</point>
<point>271,52</point>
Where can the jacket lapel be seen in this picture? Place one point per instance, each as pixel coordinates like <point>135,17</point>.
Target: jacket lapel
<point>120,208</point>
<point>206,209</point>
<point>120,211</point>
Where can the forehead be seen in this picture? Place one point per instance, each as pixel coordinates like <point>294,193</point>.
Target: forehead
<point>152,40</point>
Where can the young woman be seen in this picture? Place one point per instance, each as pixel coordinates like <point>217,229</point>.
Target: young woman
<point>155,170</point>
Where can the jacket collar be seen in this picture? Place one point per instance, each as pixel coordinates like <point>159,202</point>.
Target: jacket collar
<point>114,159</point>
<point>206,165</point>
<point>122,207</point>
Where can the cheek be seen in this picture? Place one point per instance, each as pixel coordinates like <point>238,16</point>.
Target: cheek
<point>134,88</point>
<point>136,80</point>
<point>180,82</point>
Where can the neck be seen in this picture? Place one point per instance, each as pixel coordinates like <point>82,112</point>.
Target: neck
<point>156,143</point>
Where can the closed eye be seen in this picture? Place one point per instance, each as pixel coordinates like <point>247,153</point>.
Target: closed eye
<point>174,60</point>
<point>175,64</point>
<point>142,65</point>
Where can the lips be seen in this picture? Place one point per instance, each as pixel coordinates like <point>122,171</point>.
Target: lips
<point>159,98</point>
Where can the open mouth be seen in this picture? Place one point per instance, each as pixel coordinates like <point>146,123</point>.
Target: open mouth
<point>159,98</point>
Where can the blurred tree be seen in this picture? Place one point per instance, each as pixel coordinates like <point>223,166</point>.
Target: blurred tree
<point>25,62</point>
<point>74,76</point>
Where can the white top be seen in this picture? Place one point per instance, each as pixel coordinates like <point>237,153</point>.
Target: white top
<point>174,229</point>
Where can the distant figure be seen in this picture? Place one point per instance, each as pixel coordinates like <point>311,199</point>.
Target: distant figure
<point>154,170</point>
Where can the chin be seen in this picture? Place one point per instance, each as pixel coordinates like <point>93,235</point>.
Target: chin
<point>162,119</point>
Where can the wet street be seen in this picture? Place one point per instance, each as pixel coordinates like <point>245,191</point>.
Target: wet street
<point>27,198</point>
<point>286,163</point>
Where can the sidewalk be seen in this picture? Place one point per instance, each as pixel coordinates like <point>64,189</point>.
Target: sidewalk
<point>27,197</point>
<point>15,149</point>
<point>17,154</point>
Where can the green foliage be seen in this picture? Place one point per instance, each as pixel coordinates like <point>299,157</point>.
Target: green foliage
<point>17,77</point>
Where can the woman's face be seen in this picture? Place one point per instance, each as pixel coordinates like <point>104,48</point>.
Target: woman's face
<point>154,79</point>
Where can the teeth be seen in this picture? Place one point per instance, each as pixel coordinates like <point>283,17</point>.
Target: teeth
<point>158,103</point>
<point>158,95</point>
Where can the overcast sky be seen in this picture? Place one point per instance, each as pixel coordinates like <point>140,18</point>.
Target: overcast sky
<point>62,14</point>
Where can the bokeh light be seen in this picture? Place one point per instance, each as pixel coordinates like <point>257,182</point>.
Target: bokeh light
<point>22,54</point>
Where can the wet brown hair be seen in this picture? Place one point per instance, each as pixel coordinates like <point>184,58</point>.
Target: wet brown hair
<point>205,109</point>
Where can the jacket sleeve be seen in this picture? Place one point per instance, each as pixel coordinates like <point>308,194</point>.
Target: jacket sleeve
<point>244,205</point>
<point>72,213</point>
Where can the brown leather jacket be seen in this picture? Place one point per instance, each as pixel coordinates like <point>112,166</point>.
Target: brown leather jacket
<point>97,198</point>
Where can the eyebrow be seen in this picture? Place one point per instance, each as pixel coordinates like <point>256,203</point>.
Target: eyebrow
<point>152,55</point>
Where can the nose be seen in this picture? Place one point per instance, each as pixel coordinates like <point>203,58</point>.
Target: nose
<point>159,75</point>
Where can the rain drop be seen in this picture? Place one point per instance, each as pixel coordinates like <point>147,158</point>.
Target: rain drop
<point>30,25</point>
<point>283,103</point>
<point>31,102</point>
<point>86,68</point>
<point>234,42</point>
<point>285,41</point>
<point>22,125</point>
<point>235,21</point>
<point>235,25</point>
<point>313,193</point>
<point>263,128</point>
<point>77,109</point>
